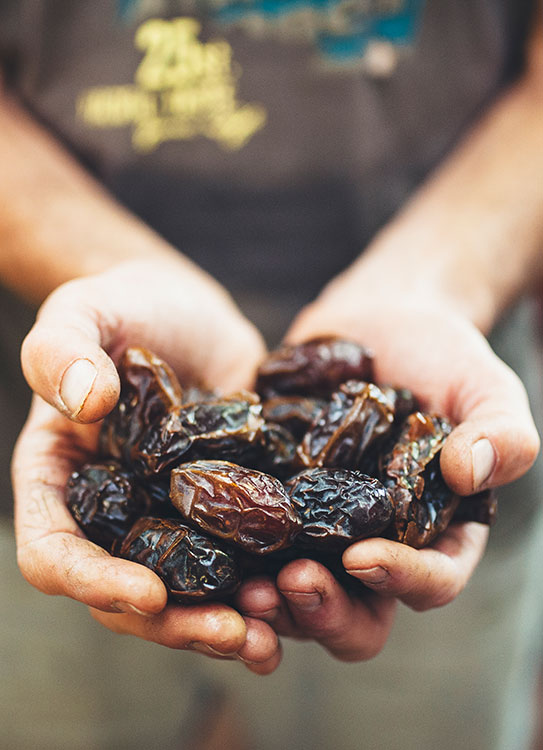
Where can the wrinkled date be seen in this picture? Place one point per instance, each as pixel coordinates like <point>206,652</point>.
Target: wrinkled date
<point>316,367</point>
<point>338,507</point>
<point>356,416</point>
<point>226,429</point>
<point>244,506</point>
<point>327,458</point>
<point>423,503</point>
<point>105,501</point>
<point>191,565</point>
<point>294,413</point>
<point>149,391</point>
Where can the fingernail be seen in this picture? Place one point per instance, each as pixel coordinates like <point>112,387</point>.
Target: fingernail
<point>205,648</point>
<point>372,576</point>
<point>129,609</point>
<point>76,385</point>
<point>306,602</point>
<point>483,460</point>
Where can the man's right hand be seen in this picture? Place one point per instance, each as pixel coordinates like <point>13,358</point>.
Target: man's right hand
<point>68,359</point>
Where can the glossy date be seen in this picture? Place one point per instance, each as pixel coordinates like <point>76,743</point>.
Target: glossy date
<point>149,391</point>
<point>338,507</point>
<point>423,504</point>
<point>191,564</point>
<point>105,500</point>
<point>315,368</point>
<point>247,507</point>
<point>358,414</point>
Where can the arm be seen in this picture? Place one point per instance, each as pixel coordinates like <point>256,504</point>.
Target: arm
<point>422,296</point>
<point>120,283</point>
<point>56,222</point>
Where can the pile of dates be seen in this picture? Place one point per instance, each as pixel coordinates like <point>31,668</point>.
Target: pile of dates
<point>207,489</point>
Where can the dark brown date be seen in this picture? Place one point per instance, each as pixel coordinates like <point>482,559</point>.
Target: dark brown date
<point>149,391</point>
<point>423,503</point>
<point>226,429</point>
<point>356,416</point>
<point>315,368</point>
<point>338,507</point>
<point>105,501</point>
<point>191,564</point>
<point>247,507</point>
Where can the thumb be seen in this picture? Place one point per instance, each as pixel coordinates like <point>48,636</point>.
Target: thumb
<point>63,361</point>
<point>496,441</point>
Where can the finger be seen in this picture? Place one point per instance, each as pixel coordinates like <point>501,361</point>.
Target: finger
<point>350,628</point>
<point>422,579</point>
<point>260,598</point>
<point>261,652</point>
<point>211,628</point>
<point>62,357</point>
<point>62,563</point>
<point>496,440</point>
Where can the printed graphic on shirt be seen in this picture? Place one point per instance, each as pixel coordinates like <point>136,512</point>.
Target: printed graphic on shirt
<point>183,88</point>
<point>343,32</point>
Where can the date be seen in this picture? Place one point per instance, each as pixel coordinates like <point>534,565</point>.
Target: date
<point>316,367</point>
<point>247,507</point>
<point>358,414</point>
<point>294,413</point>
<point>192,565</point>
<point>105,500</point>
<point>225,429</point>
<point>481,508</point>
<point>149,392</point>
<point>423,503</point>
<point>338,507</point>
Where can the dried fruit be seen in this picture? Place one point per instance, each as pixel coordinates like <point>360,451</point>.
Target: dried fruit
<point>149,391</point>
<point>315,368</point>
<point>423,503</point>
<point>338,507</point>
<point>191,564</point>
<point>356,416</point>
<point>247,507</point>
<point>105,500</point>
